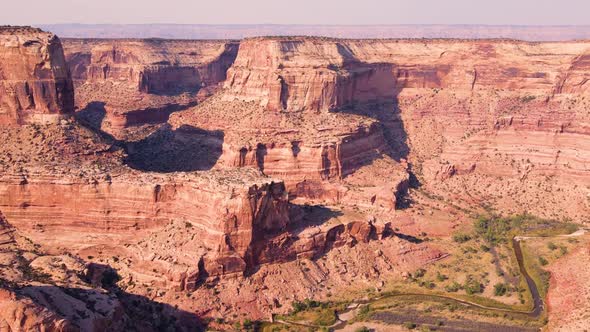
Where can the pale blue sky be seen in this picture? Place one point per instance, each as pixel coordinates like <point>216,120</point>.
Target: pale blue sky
<point>520,12</point>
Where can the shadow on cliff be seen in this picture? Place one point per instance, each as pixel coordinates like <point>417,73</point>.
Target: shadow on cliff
<point>95,113</point>
<point>92,115</point>
<point>282,246</point>
<point>135,312</point>
<point>165,150</point>
<point>314,215</point>
<point>155,115</point>
<point>176,150</point>
<point>379,100</point>
<point>382,83</point>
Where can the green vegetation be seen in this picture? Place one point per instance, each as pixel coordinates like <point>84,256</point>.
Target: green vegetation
<point>410,325</point>
<point>419,273</point>
<point>362,329</point>
<point>527,99</point>
<point>441,277</point>
<point>496,229</point>
<point>453,288</point>
<point>461,237</point>
<point>543,261</point>
<point>480,254</point>
<point>500,289</point>
<point>472,286</point>
<point>247,324</point>
<point>325,317</point>
<point>305,305</point>
<point>536,272</point>
<point>364,313</point>
<point>314,312</point>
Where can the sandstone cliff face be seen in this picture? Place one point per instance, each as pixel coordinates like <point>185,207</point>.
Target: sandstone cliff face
<point>497,109</point>
<point>305,74</point>
<point>163,67</point>
<point>22,314</point>
<point>284,93</point>
<point>35,84</point>
<point>135,82</point>
<point>48,293</point>
<point>322,74</point>
<point>338,125</point>
<point>476,109</point>
<point>226,218</point>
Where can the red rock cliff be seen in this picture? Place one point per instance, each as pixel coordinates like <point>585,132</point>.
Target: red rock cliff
<point>223,211</point>
<point>136,82</point>
<point>475,108</point>
<point>35,84</point>
<point>305,74</point>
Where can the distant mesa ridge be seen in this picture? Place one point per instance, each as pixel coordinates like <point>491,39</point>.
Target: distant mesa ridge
<point>228,31</point>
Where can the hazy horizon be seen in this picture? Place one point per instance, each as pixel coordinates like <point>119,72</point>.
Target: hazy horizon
<point>304,12</point>
<point>240,31</point>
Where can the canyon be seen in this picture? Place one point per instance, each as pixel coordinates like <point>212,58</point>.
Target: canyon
<point>224,180</point>
<point>123,83</point>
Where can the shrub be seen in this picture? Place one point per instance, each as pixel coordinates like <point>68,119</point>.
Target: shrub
<point>472,286</point>
<point>441,277</point>
<point>110,278</point>
<point>325,317</point>
<point>410,325</point>
<point>362,329</point>
<point>543,261</point>
<point>306,304</point>
<point>454,287</point>
<point>364,311</point>
<point>500,289</point>
<point>298,306</point>
<point>551,246</point>
<point>419,273</point>
<point>247,324</point>
<point>461,237</point>
<point>493,229</point>
<point>527,99</point>
<point>563,250</point>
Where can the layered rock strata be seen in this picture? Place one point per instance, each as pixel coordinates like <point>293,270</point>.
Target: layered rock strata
<point>462,112</point>
<point>49,293</point>
<point>136,82</point>
<point>35,83</point>
<point>289,96</point>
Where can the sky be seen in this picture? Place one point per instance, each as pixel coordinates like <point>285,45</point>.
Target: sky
<point>354,12</point>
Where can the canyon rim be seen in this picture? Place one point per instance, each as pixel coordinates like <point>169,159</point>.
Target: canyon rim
<point>294,183</point>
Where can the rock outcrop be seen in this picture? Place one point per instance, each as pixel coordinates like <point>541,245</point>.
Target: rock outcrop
<point>305,75</point>
<point>137,82</point>
<point>307,150</point>
<point>292,98</point>
<point>35,83</point>
<point>462,112</point>
<point>101,195</point>
<point>48,293</point>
